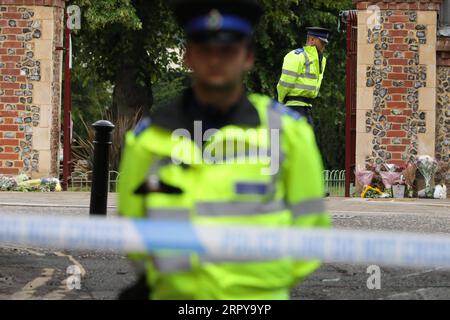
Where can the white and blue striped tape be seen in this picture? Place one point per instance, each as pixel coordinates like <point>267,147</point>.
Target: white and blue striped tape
<point>229,242</point>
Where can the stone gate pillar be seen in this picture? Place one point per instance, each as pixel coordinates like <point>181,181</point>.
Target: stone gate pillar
<point>396,80</point>
<point>30,86</point>
<point>443,107</point>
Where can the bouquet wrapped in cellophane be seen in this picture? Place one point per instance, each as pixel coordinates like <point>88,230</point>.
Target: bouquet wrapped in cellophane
<point>390,177</point>
<point>409,174</point>
<point>427,166</point>
<point>363,179</point>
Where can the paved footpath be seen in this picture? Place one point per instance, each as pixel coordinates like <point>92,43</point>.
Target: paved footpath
<point>36,273</point>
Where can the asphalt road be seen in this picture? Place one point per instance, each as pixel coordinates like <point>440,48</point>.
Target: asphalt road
<point>36,273</point>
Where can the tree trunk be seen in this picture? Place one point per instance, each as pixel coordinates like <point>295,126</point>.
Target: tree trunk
<point>128,95</point>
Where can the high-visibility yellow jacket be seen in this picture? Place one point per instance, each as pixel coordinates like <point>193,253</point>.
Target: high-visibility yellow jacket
<point>301,77</point>
<point>231,192</point>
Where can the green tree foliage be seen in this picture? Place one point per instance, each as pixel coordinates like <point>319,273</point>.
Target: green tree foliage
<point>169,87</point>
<point>124,43</point>
<point>90,98</point>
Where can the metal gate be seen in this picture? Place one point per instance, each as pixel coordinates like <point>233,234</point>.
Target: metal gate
<point>351,19</point>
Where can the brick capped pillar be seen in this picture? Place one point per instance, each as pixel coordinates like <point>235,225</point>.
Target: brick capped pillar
<point>396,90</point>
<point>443,108</point>
<point>30,86</point>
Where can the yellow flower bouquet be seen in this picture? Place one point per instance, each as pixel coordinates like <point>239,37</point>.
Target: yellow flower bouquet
<point>371,192</point>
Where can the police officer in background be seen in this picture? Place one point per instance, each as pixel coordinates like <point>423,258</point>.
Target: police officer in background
<point>162,179</point>
<point>302,73</point>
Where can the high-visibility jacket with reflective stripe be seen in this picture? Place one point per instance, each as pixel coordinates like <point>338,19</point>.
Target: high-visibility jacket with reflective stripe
<point>301,76</point>
<point>230,192</point>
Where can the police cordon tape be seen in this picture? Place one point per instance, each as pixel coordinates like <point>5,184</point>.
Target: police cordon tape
<point>229,243</point>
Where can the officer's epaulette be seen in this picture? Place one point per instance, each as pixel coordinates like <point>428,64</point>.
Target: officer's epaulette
<point>299,50</point>
<point>281,108</point>
<point>143,124</point>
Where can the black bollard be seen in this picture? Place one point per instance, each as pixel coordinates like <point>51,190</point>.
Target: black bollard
<point>100,175</point>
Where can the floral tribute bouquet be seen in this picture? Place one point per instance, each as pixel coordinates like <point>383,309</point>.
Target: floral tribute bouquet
<point>363,179</point>
<point>409,174</point>
<point>370,182</point>
<point>427,166</point>
<point>7,183</point>
<point>389,177</point>
<point>22,183</point>
<point>371,192</point>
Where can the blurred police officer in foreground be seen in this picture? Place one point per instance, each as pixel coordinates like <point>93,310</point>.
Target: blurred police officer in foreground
<point>302,73</point>
<point>163,179</point>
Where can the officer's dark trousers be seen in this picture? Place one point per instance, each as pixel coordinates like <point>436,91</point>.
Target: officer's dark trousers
<point>307,112</point>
